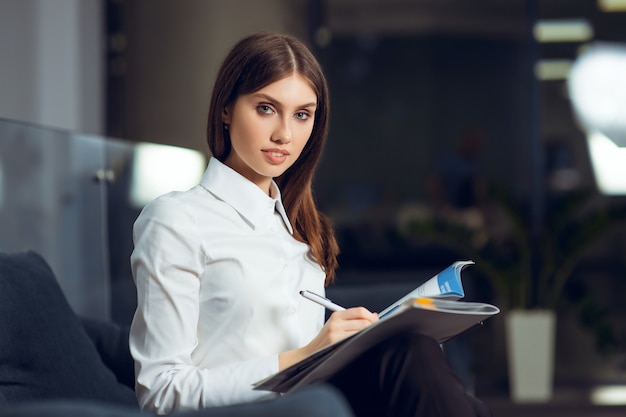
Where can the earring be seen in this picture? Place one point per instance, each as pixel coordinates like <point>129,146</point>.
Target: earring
<point>226,127</point>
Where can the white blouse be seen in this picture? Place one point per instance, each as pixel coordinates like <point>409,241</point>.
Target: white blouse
<point>218,275</point>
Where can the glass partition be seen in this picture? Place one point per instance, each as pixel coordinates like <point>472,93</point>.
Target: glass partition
<point>53,202</point>
<point>73,198</point>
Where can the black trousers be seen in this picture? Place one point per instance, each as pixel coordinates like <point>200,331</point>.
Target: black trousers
<point>406,376</point>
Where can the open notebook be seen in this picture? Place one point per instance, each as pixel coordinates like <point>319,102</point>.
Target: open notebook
<point>432,309</point>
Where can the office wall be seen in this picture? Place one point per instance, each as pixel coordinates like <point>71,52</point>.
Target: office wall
<point>171,55</point>
<point>51,72</point>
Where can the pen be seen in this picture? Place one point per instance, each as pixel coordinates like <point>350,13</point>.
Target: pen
<point>321,300</point>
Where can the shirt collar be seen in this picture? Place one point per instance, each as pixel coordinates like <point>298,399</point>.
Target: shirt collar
<point>241,194</point>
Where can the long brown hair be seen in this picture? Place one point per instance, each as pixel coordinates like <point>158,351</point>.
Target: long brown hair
<point>255,62</point>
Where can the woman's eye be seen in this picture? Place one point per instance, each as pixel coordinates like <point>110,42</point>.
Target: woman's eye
<point>265,109</point>
<point>302,115</point>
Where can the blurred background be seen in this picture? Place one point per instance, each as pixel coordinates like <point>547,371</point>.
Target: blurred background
<point>454,135</point>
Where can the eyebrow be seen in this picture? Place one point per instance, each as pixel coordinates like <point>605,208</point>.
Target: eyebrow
<point>273,100</point>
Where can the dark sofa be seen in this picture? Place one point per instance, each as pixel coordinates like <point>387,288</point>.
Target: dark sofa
<point>54,363</point>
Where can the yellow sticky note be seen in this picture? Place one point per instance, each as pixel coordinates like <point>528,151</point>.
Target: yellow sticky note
<point>425,303</point>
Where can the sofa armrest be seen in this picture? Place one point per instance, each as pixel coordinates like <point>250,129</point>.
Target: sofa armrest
<point>111,341</point>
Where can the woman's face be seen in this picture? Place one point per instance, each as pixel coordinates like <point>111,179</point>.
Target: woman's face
<point>269,128</point>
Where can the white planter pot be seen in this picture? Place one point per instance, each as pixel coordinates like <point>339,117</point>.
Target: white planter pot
<point>530,350</point>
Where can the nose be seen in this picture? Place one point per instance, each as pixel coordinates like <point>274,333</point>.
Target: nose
<point>282,134</point>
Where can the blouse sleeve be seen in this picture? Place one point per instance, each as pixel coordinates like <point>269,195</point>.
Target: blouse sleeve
<point>167,264</point>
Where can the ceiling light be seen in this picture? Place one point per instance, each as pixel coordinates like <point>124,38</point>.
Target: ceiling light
<point>609,164</point>
<point>552,69</point>
<point>612,5</point>
<point>598,91</point>
<point>577,30</point>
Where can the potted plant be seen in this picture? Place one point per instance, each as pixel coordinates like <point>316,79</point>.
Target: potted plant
<point>528,271</point>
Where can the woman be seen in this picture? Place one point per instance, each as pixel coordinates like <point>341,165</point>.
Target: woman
<point>219,268</point>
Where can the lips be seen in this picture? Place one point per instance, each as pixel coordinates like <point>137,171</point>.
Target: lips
<point>276,152</point>
<point>275,156</point>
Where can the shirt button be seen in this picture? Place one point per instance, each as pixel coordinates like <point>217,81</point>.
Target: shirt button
<point>286,267</point>
<point>292,310</point>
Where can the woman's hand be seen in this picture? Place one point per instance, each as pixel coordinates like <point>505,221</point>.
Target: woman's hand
<point>339,325</point>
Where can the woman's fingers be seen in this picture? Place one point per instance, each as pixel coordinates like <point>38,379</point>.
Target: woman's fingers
<point>351,320</point>
<point>340,325</point>
<point>356,313</point>
<point>347,326</point>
